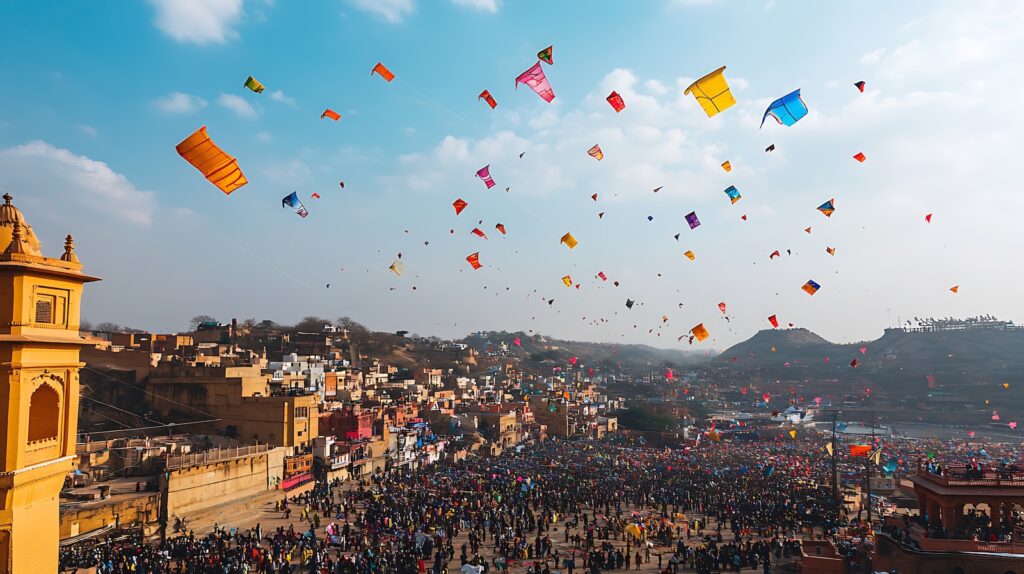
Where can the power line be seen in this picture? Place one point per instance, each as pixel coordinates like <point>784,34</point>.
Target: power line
<point>122,410</point>
<point>204,413</point>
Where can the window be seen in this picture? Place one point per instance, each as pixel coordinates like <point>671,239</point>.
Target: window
<point>43,414</point>
<point>44,310</point>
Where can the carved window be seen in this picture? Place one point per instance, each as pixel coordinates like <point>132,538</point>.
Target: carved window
<point>43,414</point>
<point>44,310</point>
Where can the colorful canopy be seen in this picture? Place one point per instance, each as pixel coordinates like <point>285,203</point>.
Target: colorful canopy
<point>787,110</point>
<point>486,96</point>
<point>538,82</point>
<point>691,218</point>
<point>811,287</point>
<point>616,101</point>
<point>733,193</point>
<point>254,85</point>
<point>217,167</point>
<point>383,72</point>
<point>292,200</point>
<point>712,92</point>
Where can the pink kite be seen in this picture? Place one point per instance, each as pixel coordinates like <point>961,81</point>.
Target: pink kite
<point>573,360</point>
<point>484,173</point>
<point>863,350</point>
<point>774,321</point>
<point>538,82</point>
<point>721,307</point>
<point>602,276</point>
<point>1012,425</point>
<point>517,342</point>
<point>928,218</point>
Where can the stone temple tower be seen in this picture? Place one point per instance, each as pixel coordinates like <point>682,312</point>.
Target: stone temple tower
<point>39,343</point>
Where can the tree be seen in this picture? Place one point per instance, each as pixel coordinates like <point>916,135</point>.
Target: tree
<point>85,325</point>
<point>639,417</point>
<point>311,324</point>
<point>199,320</point>
<point>353,327</point>
<point>107,327</point>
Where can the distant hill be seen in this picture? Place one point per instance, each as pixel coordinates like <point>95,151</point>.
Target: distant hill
<point>537,351</point>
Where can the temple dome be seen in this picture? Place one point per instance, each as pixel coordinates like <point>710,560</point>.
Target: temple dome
<point>9,215</point>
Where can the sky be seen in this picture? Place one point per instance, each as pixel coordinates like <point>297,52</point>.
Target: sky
<point>96,96</point>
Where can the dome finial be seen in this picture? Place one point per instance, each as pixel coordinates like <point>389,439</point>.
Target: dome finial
<point>69,250</point>
<point>17,241</point>
<point>7,199</point>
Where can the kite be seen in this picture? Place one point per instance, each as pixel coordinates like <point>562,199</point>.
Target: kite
<point>629,303</point>
<point>329,113</point>
<point>1006,385</point>
<point>860,450</point>
<point>397,267</point>
<point>657,189</point>
<point>600,215</point>
<point>743,217</point>
<point>774,321</point>
<point>594,197</point>
<point>726,166</point>
<point>853,363</point>
<point>774,254</point>
<point>616,102</point>
<point>792,434</point>
<point>700,332</point>
<point>484,173</point>
<point>787,110</point>
<point>342,184</point>
<point>292,201</point>
<point>863,350</point>
<point>650,218</point>
<point>383,72</point>
<point>770,148</point>
<point>860,86</point>
<point>459,205</point>
<point>690,255</point>
<point>733,193</point>
<point>595,152</point>
<point>569,241</point>
<point>1012,425</point>
<point>721,307</point>
<point>955,288</point>
<point>859,156</point>
<point>677,236</point>
<point>517,342</point>
<point>476,231</point>
<point>602,276</point>
<point>487,97</point>
<point>500,227</point>
<point>316,195</point>
<point>712,92</point>
<point>831,251</point>
<point>828,207</point>
<point>254,85</point>
<point>928,218</point>
<point>811,287</point>
<point>807,229</point>
<point>547,55</point>
<point>538,82</point>
<point>217,167</point>
<point>567,280</point>
<point>474,260</point>
<point>691,218</point>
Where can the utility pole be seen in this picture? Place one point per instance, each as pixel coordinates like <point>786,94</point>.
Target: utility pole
<point>835,472</point>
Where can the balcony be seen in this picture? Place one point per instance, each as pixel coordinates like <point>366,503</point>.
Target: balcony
<point>957,476</point>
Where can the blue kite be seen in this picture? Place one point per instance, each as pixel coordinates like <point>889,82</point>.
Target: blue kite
<point>733,193</point>
<point>787,110</point>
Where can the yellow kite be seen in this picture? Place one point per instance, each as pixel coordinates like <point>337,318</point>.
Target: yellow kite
<point>700,332</point>
<point>569,241</point>
<point>218,167</point>
<point>690,255</point>
<point>712,92</point>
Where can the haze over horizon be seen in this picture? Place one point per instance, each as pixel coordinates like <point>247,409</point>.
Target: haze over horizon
<point>92,112</point>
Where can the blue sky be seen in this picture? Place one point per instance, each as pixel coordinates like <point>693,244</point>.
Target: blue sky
<point>96,96</point>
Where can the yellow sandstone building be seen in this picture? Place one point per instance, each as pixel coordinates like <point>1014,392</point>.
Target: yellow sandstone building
<point>39,345</point>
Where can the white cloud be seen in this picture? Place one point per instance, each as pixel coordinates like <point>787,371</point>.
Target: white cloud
<point>287,173</point>
<point>73,182</point>
<point>198,21</point>
<point>88,130</point>
<point>237,104</point>
<point>485,5</point>
<point>179,103</point>
<point>393,11</point>
<point>873,57</point>
<point>264,136</point>
<point>279,96</point>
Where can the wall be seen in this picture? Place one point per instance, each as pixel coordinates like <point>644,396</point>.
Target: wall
<point>83,518</point>
<point>192,489</point>
<point>890,556</point>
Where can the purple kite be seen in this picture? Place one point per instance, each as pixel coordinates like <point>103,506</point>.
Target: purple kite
<point>535,78</point>
<point>485,174</point>
<point>691,218</point>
